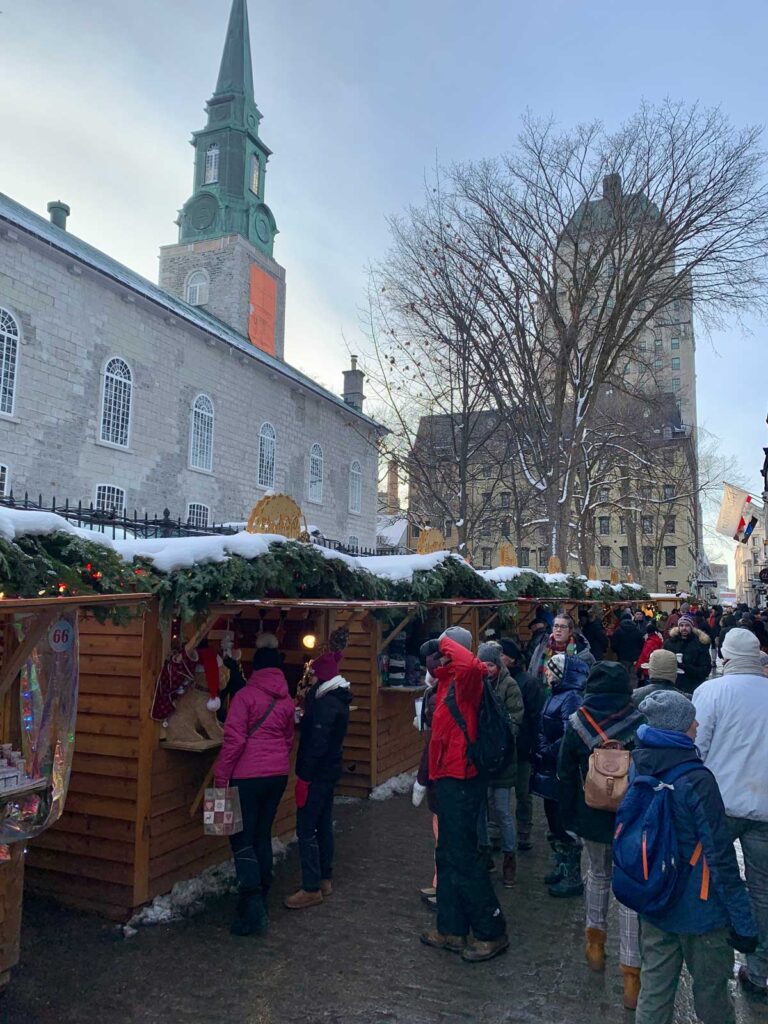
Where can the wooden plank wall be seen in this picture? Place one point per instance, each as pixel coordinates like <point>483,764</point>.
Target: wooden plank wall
<point>87,859</point>
<point>399,743</point>
<point>360,668</point>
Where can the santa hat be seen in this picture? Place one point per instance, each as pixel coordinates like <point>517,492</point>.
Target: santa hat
<point>327,665</point>
<point>210,661</point>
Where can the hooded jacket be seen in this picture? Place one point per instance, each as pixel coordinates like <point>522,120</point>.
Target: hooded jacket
<point>596,637</point>
<point>692,657</point>
<point>534,694</point>
<point>508,692</point>
<point>705,903</point>
<point>627,641</point>
<point>732,738</point>
<point>567,694</point>
<point>267,751</point>
<point>447,746</point>
<point>607,698</point>
<point>652,642</point>
<point>323,728</point>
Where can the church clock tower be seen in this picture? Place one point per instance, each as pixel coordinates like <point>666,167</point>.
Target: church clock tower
<point>223,259</point>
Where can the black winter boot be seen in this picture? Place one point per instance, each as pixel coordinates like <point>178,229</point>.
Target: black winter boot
<point>570,884</point>
<point>558,863</point>
<point>251,914</point>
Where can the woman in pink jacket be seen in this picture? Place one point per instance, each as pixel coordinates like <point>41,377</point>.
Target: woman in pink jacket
<point>258,736</point>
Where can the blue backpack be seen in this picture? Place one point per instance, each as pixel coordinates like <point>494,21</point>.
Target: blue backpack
<point>646,867</point>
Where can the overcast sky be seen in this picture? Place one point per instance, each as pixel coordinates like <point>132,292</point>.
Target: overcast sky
<point>360,97</point>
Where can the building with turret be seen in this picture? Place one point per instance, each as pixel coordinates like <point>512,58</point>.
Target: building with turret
<point>130,395</point>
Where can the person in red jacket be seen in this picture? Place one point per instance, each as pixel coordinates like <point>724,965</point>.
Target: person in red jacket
<point>466,901</point>
<point>654,641</point>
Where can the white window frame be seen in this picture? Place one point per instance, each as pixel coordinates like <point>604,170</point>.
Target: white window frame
<point>10,344</point>
<point>127,383</point>
<point>211,169</point>
<point>676,384</point>
<point>675,344</point>
<point>202,422</point>
<point>353,543</point>
<point>266,469</point>
<point>201,288</point>
<point>675,362</point>
<point>5,476</point>
<point>316,472</point>
<point>115,490</point>
<point>195,517</point>
<point>356,487</point>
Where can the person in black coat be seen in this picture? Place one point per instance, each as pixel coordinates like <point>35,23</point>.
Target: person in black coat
<point>596,636</point>
<point>627,643</point>
<point>534,696</point>
<point>319,767</point>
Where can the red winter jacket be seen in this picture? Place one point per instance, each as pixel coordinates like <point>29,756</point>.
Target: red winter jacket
<point>267,751</point>
<point>447,746</point>
<point>653,642</point>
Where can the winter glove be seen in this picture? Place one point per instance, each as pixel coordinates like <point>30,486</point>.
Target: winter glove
<point>417,796</point>
<point>302,792</point>
<point>743,943</point>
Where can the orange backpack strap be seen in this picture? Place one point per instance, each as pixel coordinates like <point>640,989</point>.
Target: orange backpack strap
<point>695,857</point>
<point>594,724</point>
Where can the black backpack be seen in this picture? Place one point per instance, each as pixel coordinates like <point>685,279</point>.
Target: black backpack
<point>494,748</point>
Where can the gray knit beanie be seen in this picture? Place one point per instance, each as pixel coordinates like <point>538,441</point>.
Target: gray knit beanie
<point>490,652</point>
<point>459,635</point>
<point>668,709</point>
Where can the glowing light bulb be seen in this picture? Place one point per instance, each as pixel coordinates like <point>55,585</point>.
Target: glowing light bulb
<point>309,640</point>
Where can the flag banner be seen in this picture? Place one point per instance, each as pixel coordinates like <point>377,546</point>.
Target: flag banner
<point>731,510</point>
<point>747,523</point>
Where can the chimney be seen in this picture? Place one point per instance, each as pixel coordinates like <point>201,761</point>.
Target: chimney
<point>59,212</point>
<point>393,495</point>
<point>612,187</point>
<point>353,386</point>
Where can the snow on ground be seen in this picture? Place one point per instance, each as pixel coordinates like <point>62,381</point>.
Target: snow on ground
<point>188,898</point>
<point>396,786</point>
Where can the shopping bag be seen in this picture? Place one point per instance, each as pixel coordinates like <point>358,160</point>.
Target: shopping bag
<point>222,815</point>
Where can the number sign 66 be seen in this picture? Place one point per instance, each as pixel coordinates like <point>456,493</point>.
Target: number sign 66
<point>61,636</point>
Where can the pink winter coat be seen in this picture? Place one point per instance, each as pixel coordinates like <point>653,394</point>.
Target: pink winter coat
<point>268,751</point>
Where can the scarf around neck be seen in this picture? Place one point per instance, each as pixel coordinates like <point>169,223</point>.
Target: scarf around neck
<point>743,665</point>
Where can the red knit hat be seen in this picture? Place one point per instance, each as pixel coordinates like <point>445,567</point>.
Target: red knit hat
<point>210,662</point>
<point>327,665</point>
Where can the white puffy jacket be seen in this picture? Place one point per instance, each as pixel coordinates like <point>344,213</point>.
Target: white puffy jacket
<point>732,713</point>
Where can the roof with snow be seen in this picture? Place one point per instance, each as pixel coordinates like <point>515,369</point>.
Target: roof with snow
<point>64,241</point>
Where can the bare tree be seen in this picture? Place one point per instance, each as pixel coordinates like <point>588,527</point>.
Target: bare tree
<point>563,255</point>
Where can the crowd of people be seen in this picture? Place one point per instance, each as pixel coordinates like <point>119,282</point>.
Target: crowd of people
<point>659,705</point>
<point>648,691</point>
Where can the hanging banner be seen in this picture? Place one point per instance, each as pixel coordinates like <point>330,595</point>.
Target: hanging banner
<point>35,777</point>
<point>732,511</point>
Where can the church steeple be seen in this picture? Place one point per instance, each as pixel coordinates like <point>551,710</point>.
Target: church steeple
<point>230,158</point>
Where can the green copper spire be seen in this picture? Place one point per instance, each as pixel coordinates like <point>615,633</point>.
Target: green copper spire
<point>235,74</point>
<point>230,158</point>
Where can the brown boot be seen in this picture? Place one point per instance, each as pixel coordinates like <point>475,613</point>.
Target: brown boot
<point>595,949</point>
<point>631,986</point>
<point>509,870</point>
<point>453,943</point>
<point>326,886</point>
<point>303,899</point>
<point>482,949</point>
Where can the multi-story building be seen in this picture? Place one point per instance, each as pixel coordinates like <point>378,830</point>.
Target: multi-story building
<point>120,393</point>
<point>750,558</point>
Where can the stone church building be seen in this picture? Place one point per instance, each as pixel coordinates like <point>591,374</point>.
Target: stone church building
<point>130,395</point>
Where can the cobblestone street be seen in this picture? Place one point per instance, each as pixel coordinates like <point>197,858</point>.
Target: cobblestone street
<point>354,960</point>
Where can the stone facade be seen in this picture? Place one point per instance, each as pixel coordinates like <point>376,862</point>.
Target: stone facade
<point>76,309</point>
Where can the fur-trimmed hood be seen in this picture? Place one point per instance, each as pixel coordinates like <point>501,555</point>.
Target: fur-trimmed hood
<point>702,636</point>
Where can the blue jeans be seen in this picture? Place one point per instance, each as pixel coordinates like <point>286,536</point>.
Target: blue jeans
<point>314,830</point>
<point>753,836</point>
<point>499,804</point>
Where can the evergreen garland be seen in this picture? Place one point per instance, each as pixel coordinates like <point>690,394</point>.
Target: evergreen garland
<point>60,563</point>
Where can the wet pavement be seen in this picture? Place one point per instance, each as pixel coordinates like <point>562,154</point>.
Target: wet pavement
<point>354,960</point>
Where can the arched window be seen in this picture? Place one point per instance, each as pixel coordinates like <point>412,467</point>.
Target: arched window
<point>316,474</point>
<point>197,515</point>
<point>212,164</point>
<point>197,288</point>
<point>201,435</point>
<point>110,499</point>
<point>3,480</point>
<point>267,455</point>
<point>116,403</point>
<point>353,543</point>
<point>355,487</point>
<point>9,355</point>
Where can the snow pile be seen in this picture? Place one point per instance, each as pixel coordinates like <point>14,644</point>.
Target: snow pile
<point>168,554</point>
<point>402,567</point>
<point>15,522</point>
<point>504,573</point>
<point>398,785</point>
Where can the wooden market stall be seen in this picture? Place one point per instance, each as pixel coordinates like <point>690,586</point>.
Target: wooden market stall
<point>28,629</point>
